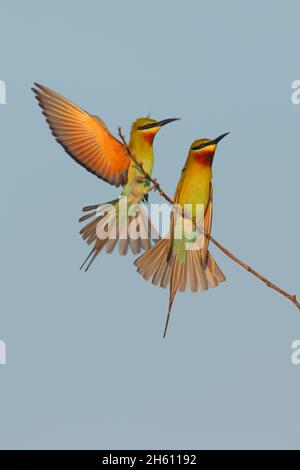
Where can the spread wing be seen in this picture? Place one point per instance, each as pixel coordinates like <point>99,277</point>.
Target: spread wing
<point>84,137</point>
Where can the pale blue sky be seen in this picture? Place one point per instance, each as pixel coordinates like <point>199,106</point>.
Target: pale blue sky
<point>86,363</point>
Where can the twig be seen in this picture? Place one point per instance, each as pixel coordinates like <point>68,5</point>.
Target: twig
<point>268,283</point>
<point>140,166</point>
<point>228,253</point>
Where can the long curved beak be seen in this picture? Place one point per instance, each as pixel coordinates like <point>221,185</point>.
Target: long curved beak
<point>166,121</point>
<point>157,124</point>
<point>211,142</point>
<point>220,137</point>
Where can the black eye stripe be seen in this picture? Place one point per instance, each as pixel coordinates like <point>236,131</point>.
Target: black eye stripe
<point>211,142</point>
<point>148,126</point>
<point>202,146</point>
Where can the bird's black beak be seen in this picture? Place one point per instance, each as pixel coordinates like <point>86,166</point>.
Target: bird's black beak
<point>166,121</point>
<point>157,124</point>
<point>211,142</point>
<point>220,137</point>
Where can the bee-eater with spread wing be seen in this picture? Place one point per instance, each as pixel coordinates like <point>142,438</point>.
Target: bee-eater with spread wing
<point>172,261</point>
<point>88,141</point>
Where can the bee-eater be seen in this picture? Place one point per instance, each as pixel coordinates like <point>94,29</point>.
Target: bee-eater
<point>88,141</point>
<point>172,261</point>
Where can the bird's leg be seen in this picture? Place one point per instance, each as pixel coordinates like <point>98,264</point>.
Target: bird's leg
<point>154,186</point>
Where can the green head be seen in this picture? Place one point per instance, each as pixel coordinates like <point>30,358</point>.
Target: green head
<point>206,145</point>
<point>147,128</point>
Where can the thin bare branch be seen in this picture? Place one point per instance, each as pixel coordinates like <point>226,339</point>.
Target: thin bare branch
<point>140,166</point>
<point>228,253</point>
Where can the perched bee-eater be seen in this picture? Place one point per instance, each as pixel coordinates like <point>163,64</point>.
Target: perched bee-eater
<point>176,261</point>
<point>88,141</point>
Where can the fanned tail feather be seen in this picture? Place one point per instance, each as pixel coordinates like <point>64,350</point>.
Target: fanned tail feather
<point>166,270</point>
<point>113,234</point>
